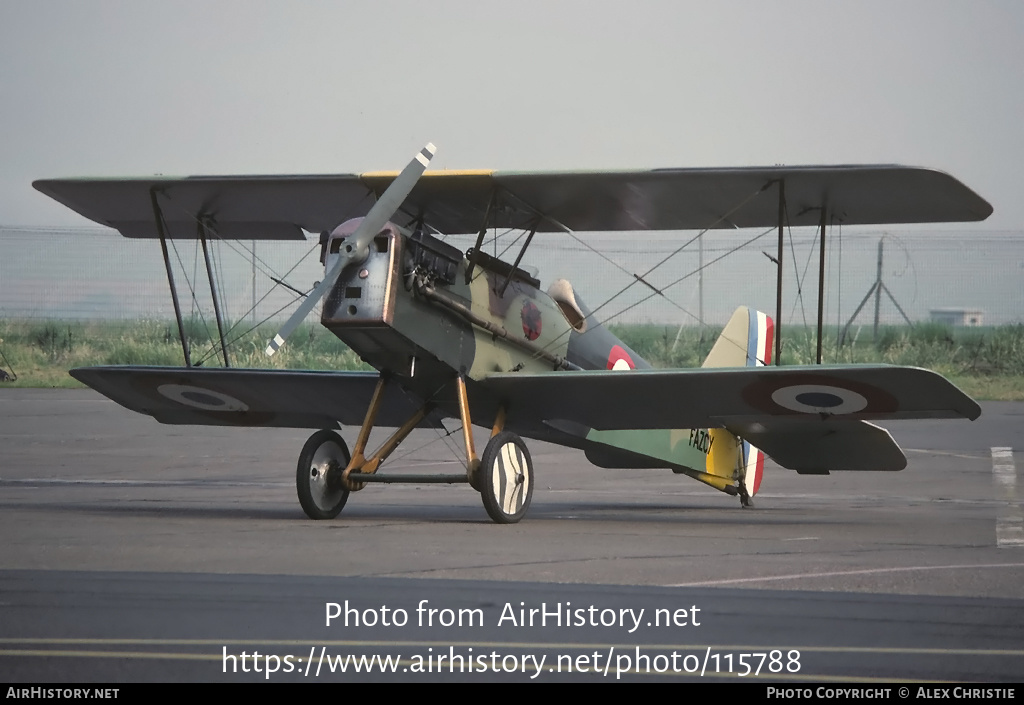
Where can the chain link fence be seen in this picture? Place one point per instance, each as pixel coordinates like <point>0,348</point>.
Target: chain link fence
<point>51,277</point>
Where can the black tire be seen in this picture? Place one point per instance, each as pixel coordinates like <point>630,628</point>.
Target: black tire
<point>506,478</point>
<point>317,483</point>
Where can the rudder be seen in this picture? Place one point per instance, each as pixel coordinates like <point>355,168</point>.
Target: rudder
<point>746,341</point>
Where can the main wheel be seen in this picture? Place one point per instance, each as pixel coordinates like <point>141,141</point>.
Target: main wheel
<point>506,478</point>
<point>318,476</point>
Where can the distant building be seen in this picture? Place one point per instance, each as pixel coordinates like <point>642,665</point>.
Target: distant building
<point>969,317</point>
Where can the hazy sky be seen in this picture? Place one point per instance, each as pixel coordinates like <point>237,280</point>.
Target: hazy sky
<point>133,88</point>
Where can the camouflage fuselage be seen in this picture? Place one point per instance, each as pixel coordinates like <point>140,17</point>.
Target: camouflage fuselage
<point>426,324</point>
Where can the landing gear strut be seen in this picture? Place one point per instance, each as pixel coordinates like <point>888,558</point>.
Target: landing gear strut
<point>503,475</point>
<point>327,472</point>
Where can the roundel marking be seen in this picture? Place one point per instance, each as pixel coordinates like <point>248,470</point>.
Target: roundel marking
<point>619,359</point>
<point>819,399</point>
<point>531,320</point>
<point>817,394</point>
<point>200,398</point>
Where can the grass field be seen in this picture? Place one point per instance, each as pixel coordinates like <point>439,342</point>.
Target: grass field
<point>987,363</point>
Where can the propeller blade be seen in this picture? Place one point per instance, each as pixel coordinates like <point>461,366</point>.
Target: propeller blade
<point>358,243</point>
<point>300,314</point>
<point>389,202</point>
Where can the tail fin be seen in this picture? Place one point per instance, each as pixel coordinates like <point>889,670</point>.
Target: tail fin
<point>746,341</point>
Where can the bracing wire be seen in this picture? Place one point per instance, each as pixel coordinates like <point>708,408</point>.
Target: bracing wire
<point>690,274</point>
<point>796,272</point>
<point>642,277</point>
<point>213,351</point>
<point>229,344</point>
<point>660,292</point>
<point>192,291</point>
<point>264,268</point>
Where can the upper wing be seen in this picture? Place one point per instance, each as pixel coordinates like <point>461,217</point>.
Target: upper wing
<point>281,207</point>
<point>236,397</point>
<point>243,207</point>
<point>683,199</point>
<point>805,418</point>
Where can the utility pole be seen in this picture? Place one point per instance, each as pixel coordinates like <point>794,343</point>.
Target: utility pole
<point>778,287</point>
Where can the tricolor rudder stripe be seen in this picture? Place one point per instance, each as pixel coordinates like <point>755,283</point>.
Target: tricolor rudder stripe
<point>759,339</point>
<point>767,335</point>
<point>759,353</point>
<point>753,461</point>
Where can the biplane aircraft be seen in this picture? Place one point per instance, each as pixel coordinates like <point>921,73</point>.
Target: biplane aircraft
<point>470,336</point>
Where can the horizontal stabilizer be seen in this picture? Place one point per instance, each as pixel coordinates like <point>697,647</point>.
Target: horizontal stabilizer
<point>816,445</point>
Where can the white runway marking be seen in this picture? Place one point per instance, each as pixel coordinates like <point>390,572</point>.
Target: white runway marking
<point>839,573</point>
<point>1009,520</point>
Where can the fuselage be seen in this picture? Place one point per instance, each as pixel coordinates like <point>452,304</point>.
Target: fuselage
<point>424,313</point>
<point>411,310</point>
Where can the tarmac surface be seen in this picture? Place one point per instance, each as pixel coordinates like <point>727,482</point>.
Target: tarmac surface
<point>133,551</point>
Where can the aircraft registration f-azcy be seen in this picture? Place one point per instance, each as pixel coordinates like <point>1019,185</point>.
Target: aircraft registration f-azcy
<point>469,336</point>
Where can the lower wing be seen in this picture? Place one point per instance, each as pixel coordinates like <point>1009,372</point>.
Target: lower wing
<point>811,419</point>
<point>238,397</point>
